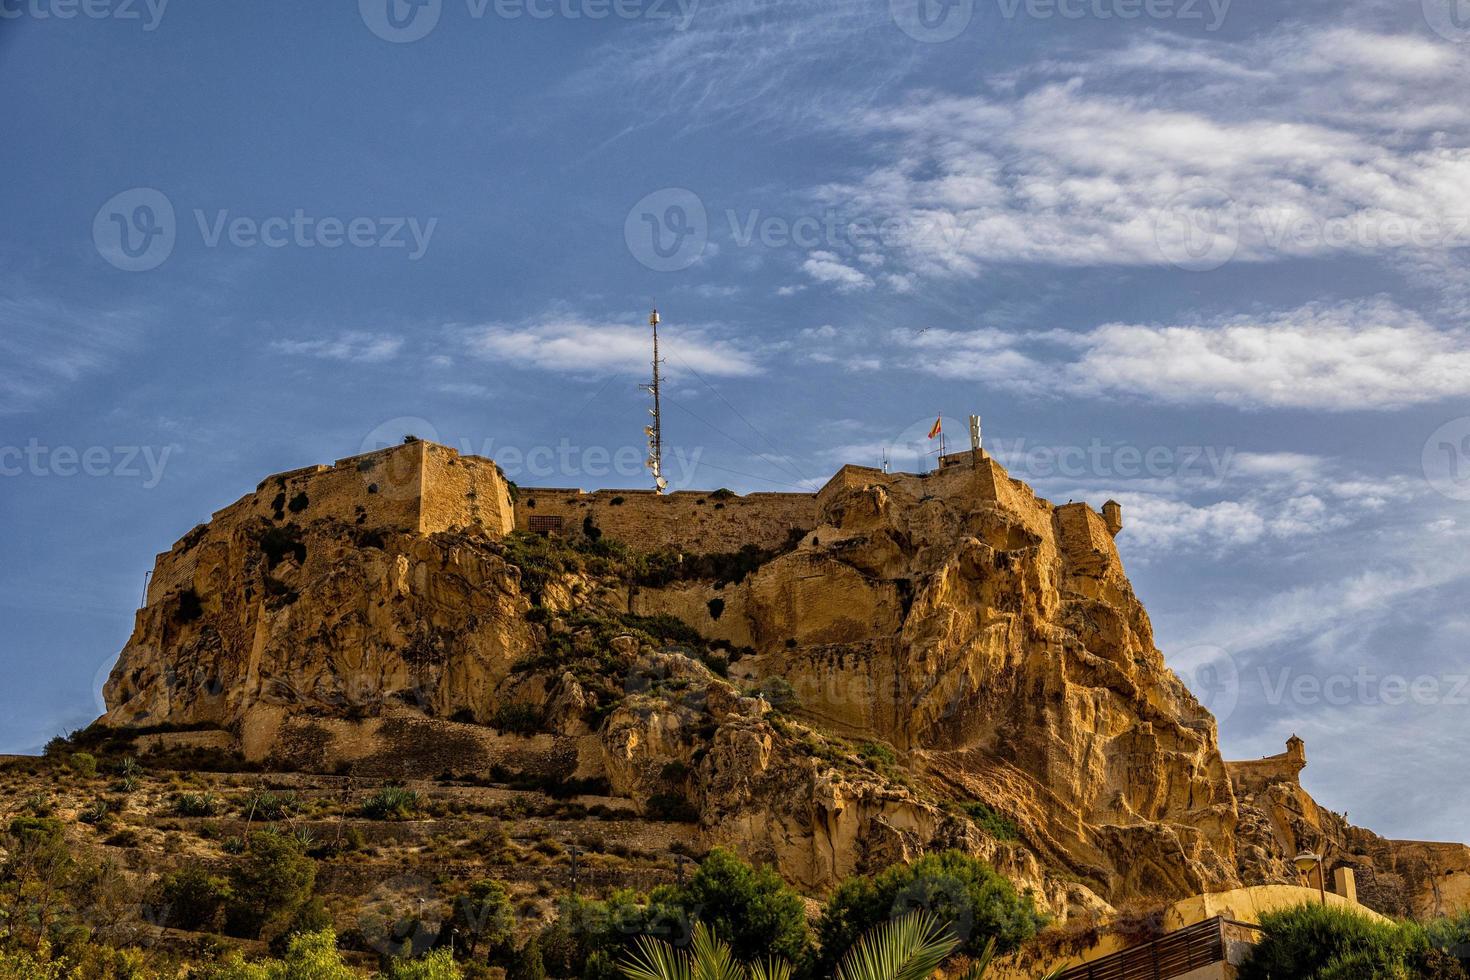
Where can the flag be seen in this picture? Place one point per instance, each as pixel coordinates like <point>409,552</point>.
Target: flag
<point>934,431</point>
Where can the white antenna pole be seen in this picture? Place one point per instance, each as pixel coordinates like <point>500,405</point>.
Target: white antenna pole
<point>655,432</point>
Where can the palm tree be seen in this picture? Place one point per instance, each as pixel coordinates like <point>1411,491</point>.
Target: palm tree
<point>908,948</point>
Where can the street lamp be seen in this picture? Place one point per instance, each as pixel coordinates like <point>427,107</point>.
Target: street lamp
<point>1304,863</point>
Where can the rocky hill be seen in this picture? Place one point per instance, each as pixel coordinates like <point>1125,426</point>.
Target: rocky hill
<point>827,682</point>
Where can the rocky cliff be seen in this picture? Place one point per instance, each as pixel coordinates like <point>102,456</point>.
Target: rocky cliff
<point>913,661</point>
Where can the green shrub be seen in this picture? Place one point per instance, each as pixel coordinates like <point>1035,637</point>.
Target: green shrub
<point>391,803</point>
<point>1452,936</point>
<point>877,755</point>
<point>1324,942</point>
<point>991,822</point>
<point>196,805</point>
<point>309,956</point>
<point>265,805</point>
<point>438,965</point>
<point>960,890</point>
<point>84,764</point>
<point>94,813</point>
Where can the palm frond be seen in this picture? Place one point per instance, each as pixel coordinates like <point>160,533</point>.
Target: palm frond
<point>910,948</point>
<point>713,959</point>
<point>654,959</point>
<point>982,962</point>
<point>771,970</point>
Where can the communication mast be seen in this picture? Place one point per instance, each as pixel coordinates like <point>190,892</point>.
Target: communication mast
<point>655,432</point>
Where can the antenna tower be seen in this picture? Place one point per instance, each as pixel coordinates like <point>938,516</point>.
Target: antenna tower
<point>655,432</point>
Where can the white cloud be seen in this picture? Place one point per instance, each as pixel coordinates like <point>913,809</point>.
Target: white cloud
<point>1294,143</point>
<point>564,342</point>
<point>351,346</point>
<point>826,267</point>
<point>1349,356</point>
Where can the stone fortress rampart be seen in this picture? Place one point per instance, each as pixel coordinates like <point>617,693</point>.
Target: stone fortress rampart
<point>425,487</point>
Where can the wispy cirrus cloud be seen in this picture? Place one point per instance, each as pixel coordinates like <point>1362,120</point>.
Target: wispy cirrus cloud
<point>353,346</point>
<point>47,344</point>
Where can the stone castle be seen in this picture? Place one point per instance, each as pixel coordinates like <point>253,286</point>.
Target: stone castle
<point>425,487</point>
<point>828,681</point>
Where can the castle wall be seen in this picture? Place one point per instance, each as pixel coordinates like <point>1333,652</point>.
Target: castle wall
<point>694,522</point>
<point>1087,547</point>
<point>416,486</point>
<point>463,491</point>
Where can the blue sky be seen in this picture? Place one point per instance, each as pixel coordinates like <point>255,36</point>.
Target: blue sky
<point>1206,258</point>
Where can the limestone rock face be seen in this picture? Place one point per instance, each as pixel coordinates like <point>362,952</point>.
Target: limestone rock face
<point>906,662</point>
<point>999,645</point>
<point>341,622</point>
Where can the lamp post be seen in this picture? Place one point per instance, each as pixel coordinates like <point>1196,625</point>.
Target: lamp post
<point>1304,862</point>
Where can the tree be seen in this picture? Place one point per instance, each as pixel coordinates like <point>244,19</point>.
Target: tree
<point>974,903</point>
<point>752,909</point>
<point>483,918</point>
<point>189,898</point>
<point>272,890</point>
<point>527,964</point>
<point>588,935</point>
<point>34,880</point>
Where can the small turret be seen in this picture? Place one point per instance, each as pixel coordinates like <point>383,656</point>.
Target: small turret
<point>1112,513</point>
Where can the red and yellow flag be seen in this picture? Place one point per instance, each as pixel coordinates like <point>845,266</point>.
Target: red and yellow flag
<point>935,431</point>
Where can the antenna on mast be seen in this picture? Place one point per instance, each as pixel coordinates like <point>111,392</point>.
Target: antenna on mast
<point>655,431</point>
